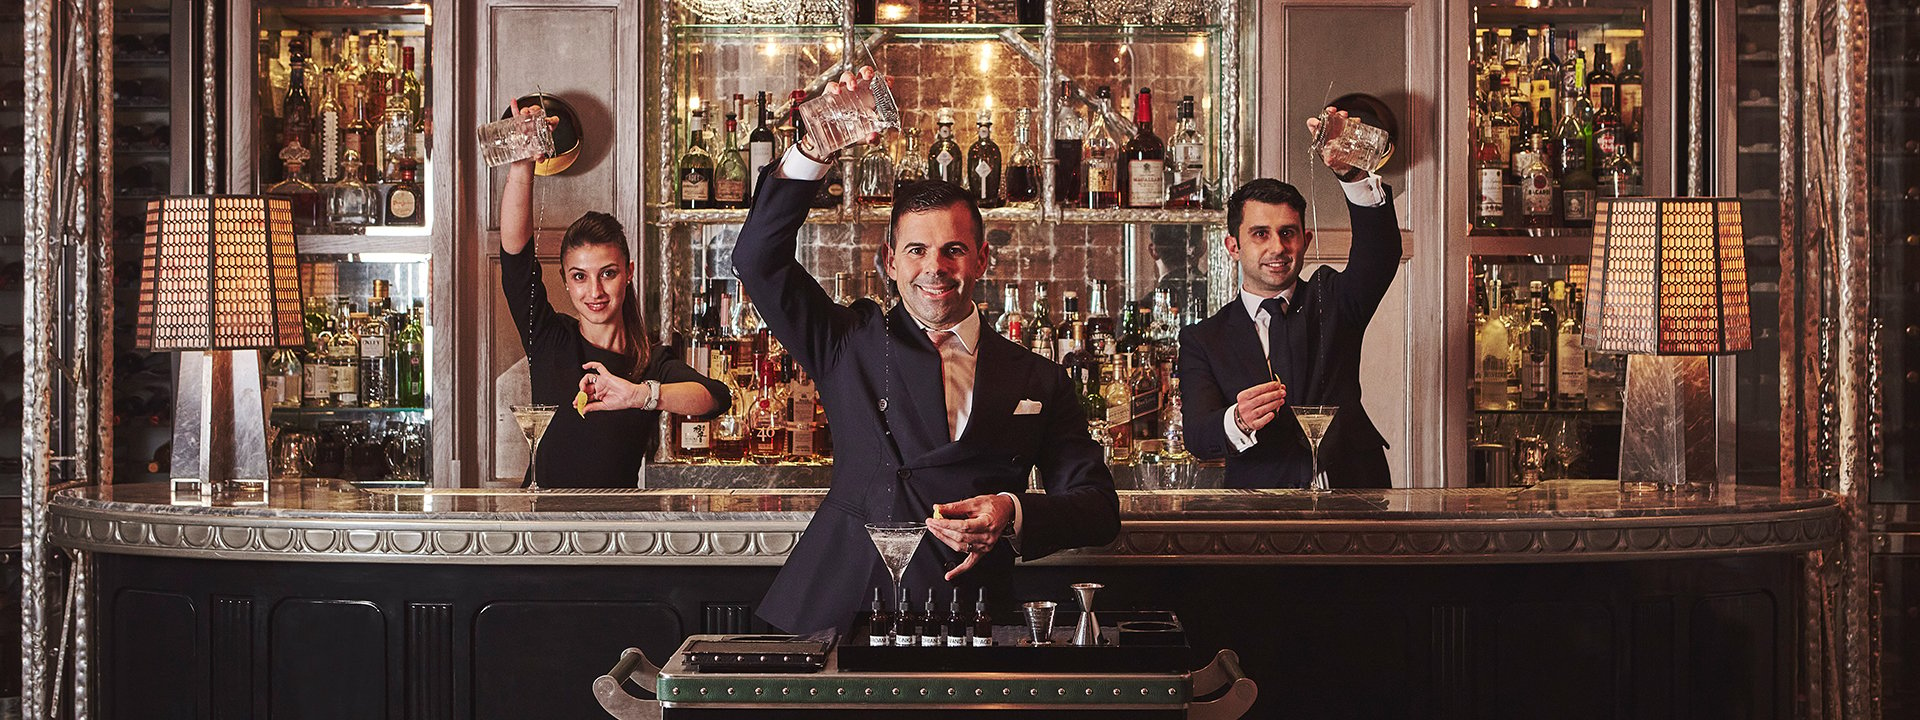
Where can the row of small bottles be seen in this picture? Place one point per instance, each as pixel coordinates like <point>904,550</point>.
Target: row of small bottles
<point>1528,353</point>
<point>336,100</point>
<point>1552,133</point>
<point>931,627</point>
<point>1100,166</point>
<point>348,205</point>
<point>371,359</point>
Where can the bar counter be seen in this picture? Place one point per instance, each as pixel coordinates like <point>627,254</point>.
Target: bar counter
<point>321,599</point>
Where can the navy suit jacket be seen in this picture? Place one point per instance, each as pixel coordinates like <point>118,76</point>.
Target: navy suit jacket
<point>894,464</point>
<point>1220,356</point>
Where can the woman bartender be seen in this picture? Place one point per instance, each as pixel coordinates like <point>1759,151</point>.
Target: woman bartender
<point>605,352</point>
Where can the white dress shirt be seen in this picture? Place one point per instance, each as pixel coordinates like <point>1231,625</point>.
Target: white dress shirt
<point>1365,192</point>
<point>967,333</point>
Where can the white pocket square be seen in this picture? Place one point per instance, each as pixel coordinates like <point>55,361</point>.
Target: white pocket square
<point>1027,407</point>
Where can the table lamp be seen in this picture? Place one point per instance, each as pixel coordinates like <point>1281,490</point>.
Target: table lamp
<point>1667,285</point>
<point>218,281</point>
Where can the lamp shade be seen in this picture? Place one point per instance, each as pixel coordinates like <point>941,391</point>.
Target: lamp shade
<point>218,273</point>
<point>1668,276</point>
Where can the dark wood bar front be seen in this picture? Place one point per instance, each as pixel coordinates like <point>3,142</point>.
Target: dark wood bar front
<point>328,601</point>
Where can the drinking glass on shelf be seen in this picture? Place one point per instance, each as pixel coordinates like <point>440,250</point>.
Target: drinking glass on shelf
<point>519,137</point>
<point>1358,144</point>
<point>837,120</point>
<point>1566,442</point>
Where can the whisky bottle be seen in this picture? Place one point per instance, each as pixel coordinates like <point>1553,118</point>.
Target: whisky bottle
<point>1536,363</point>
<point>765,423</point>
<point>1630,93</point>
<point>1101,335</point>
<point>297,108</point>
<point>1069,132</point>
<point>1143,160</point>
<point>1119,399</point>
<point>802,414</point>
<point>1600,82</point>
<point>1102,157</point>
<point>1070,335</point>
<point>1148,400</point>
<point>943,157</point>
<point>403,200</point>
<point>696,165</point>
<point>303,197</point>
<point>1577,186</point>
<point>344,356</point>
<point>1570,358</point>
<point>729,175</point>
<point>1023,166</point>
<point>1186,161</point>
<point>983,164</point>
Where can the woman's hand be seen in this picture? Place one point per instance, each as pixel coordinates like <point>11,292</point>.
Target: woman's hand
<point>607,391</point>
<point>527,113</point>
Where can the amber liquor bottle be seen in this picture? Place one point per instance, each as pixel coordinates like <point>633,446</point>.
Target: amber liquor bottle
<point>957,622</point>
<point>1143,162</point>
<point>906,626</point>
<point>879,622</point>
<point>933,623</point>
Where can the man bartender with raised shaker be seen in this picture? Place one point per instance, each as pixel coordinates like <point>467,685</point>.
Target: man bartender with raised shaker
<point>1286,341</point>
<point>914,433</point>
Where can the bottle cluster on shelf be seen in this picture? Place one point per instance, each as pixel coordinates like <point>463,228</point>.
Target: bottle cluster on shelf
<point>1122,371</point>
<point>343,123</point>
<point>390,449</point>
<point>353,359</point>
<point>1100,164</point>
<point>1554,128</point>
<point>904,626</point>
<point>1528,354</point>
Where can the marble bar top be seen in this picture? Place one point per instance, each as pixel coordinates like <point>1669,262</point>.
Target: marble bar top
<point>332,521</point>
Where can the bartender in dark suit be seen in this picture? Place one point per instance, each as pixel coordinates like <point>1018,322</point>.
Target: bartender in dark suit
<point>1285,340</point>
<point>913,430</point>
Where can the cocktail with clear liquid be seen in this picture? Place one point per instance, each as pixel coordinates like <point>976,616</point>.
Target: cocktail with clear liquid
<point>1314,421</point>
<point>533,420</point>
<point>896,542</point>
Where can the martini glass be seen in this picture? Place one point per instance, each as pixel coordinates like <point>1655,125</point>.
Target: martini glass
<point>533,420</point>
<point>1314,420</point>
<point>896,542</point>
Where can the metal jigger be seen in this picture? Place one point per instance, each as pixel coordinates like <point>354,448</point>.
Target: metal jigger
<point>1088,631</point>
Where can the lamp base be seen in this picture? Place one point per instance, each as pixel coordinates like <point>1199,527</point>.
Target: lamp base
<point>219,423</point>
<point>1667,438</point>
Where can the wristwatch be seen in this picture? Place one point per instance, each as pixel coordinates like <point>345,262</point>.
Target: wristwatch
<point>653,396</point>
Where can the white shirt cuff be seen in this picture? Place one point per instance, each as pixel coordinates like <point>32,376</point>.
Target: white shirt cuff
<point>1240,441</point>
<point>797,166</point>
<point>1365,192</point>
<point>1014,541</point>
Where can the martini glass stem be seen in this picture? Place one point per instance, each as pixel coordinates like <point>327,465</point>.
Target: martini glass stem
<point>1313,482</point>
<point>533,453</point>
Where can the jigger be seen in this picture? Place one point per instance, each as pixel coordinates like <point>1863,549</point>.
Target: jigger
<point>1088,631</point>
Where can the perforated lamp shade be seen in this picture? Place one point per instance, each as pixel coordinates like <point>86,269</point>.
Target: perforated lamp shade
<point>1668,276</point>
<point>218,273</point>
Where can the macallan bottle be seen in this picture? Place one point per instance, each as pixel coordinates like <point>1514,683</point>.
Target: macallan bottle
<point>1143,161</point>
<point>906,629</point>
<point>982,633</point>
<point>983,164</point>
<point>879,622</point>
<point>933,623</point>
<point>956,634</point>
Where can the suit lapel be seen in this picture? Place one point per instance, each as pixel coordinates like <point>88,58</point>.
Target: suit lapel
<point>996,386</point>
<point>1243,345</point>
<point>917,367</point>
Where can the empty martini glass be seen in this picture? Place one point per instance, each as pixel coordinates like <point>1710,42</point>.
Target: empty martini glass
<point>896,542</point>
<point>1314,420</point>
<point>533,420</point>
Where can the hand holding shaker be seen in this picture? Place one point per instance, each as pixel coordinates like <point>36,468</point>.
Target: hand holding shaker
<point>525,135</point>
<point>1353,143</point>
<point>835,120</point>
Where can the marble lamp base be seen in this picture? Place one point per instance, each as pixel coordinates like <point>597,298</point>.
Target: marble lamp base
<point>219,423</point>
<point>1667,436</point>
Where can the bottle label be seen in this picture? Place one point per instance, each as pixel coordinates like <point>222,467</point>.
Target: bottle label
<point>1572,366</point>
<point>346,382</point>
<point>1100,177</point>
<point>759,155</point>
<point>728,190</point>
<point>1534,380</point>
<point>903,640</point>
<point>1146,404</point>
<point>877,640</point>
<point>1536,194</point>
<point>983,172</point>
<point>373,346</point>
<point>979,641</point>
<point>319,381</point>
<point>693,186</point>
<point>1629,100</point>
<point>1493,192</point>
<point>1503,140</point>
<point>944,161</point>
<point>1119,414</point>
<point>693,435</point>
<point>930,640</point>
<point>402,203</point>
<point>1146,181</point>
<point>274,389</point>
<point>1607,141</point>
<point>1579,205</point>
<point>800,439</point>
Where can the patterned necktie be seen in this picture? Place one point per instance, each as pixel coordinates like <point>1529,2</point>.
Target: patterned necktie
<point>956,375</point>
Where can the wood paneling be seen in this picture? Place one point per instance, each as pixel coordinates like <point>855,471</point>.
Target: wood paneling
<point>327,659</point>
<point>153,651</point>
<point>529,657</point>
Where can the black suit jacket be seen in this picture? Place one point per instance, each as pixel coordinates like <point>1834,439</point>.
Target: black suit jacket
<point>1220,356</point>
<point>895,464</point>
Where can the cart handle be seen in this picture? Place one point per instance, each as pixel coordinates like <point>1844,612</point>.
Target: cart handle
<point>1224,671</point>
<point>615,699</point>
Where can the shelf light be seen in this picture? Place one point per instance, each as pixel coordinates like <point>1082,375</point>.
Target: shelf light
<point>771,50</point>
<point>1200,47</point>
<point>984,57</point>
<point>891,12</point>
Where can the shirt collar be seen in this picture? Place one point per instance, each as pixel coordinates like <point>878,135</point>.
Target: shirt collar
<point>967,330</point>
<point>1252,301</point>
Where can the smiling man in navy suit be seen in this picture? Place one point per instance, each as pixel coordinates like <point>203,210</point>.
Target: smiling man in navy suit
<point>1285,340</point>
<point>912,429</point>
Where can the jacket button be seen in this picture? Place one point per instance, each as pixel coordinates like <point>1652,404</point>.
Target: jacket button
<point>905,474</point>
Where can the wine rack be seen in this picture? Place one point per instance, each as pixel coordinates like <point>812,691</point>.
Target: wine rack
<point>146,129</point>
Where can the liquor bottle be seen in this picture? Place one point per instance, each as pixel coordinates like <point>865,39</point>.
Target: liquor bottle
<point>1524,139</point>
<point>760,146</point>
<point>765,423</point>
<point>879,621</point>
<point>912,167</point>
<point>833,187</point>
<point>403,200</point>
<point>1102,153</point>
<point>729,434</point>
<point>1570,359</point>
<point>1118,394</point>
<point>983,164</point>
<point>305,199</point>
<point>1608,131</point>
<point>1011,324</point>
<point>317,385</point>
<point>693,438</point>
<point>1023,166</point>
<point>1143,162</point>
<point>843,289</point>
<point>1144,383</point>
<point>1040,338</point>
<point>1576,174</point>
<point>1163,332</point>
<point>1186,161</point>
<point>906,627</point>
<point>1069,131</point>
<point>1601,79</point>
<point>875,181</point>
<point>297,108</point>
<point>933,623</point>
<point>344,357</point>
<point>1505,132</point>
<point>876,290</point>
<point>282,384</point>
<point>1537,189</point>
<point>739,143</point>
<point>1630,93</point>
<point>696,165</point>
<point>729,174</point>
<point>958,624</point>
<point>270,83</point>
<point>943,157</point>
<point>1493,351</point>
<point>412,92</point>
<point>357,132</point>
<point>1070,335</point>
<point>802,414</point>
<point>380,71</point>
<point>376,366</point>
<point>410,361</point>
<point>1536,361</point>
<point>1101,335</point>
<point>1620,177</point>
<point>326,137</point>
<point>981,634</point>
<point>350,203</point>
<point>1546,73</point>
<point>1490,167</point>
<point>1513,51</point>
<point>1573,78</point>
